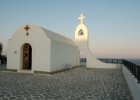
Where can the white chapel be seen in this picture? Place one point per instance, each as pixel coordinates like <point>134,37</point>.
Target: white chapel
<point>33,48</point>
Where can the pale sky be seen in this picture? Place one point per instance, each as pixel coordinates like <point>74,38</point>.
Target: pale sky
<point>114,25</point>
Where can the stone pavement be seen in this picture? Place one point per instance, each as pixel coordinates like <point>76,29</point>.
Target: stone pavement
<point>74,84</point>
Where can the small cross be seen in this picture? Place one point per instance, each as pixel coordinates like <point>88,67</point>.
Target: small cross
<point>26,27</point>
<point>81,18</point>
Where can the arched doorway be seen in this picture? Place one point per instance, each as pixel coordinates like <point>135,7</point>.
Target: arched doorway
<point>26,57</point>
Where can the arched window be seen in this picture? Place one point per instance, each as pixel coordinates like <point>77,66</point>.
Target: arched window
<point>80,32</point>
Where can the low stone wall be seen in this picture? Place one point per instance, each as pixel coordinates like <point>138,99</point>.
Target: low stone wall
<point>132,83</point>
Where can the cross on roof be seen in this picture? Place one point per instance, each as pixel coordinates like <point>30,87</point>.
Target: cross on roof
<point>81,18</point>
<point>26,27</point>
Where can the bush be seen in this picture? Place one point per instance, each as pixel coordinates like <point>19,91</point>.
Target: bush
<point>3,59</point>
<point>1,48</point>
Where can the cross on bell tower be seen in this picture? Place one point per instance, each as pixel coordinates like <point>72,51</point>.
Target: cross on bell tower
<point>81,18</point>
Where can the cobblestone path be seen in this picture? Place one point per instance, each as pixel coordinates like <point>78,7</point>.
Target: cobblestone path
<point>75,84</point>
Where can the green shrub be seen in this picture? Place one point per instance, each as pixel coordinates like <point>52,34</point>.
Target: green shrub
<point>3,59</point>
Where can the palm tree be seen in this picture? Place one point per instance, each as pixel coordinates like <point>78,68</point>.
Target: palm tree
<point>1,48</point>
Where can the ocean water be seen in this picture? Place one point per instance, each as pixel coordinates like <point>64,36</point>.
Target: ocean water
<point>135,61</point>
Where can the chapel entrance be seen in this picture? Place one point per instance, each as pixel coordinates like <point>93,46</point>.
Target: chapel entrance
<point>26,57</point>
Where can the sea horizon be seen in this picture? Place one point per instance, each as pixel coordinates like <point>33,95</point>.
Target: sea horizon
<point>134,60</point>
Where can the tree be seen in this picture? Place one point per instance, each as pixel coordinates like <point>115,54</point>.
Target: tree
<point>1,48</point>
<point>3,58</point>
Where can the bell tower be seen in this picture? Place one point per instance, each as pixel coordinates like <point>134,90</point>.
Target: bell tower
<point>81,32</point>
<point>81,37</point>
<point>81,40</point>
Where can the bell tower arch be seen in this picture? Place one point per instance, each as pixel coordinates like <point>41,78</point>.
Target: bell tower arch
<point>81,37</point>
<point>81,32</point>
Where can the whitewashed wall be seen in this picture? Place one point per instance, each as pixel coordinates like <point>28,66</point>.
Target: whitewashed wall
<point>63,55</point>
<point>40,49</point>
<point>132,83</point>
<point>82,42</point>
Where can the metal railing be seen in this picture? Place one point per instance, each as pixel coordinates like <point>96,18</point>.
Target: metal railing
<point>113,61</point>
<point>133,68</point>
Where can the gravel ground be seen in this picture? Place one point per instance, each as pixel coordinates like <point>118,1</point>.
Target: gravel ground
<point>75,84</point>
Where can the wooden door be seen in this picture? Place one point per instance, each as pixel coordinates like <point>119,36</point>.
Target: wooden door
<point>27,56</point>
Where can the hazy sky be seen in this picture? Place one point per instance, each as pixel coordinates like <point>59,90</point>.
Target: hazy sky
<point>114,25</point>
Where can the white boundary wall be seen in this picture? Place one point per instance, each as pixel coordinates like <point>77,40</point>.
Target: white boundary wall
<point>132,83</point>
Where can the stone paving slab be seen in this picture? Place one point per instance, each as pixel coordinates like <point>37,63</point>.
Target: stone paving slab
<point>75,84</point>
